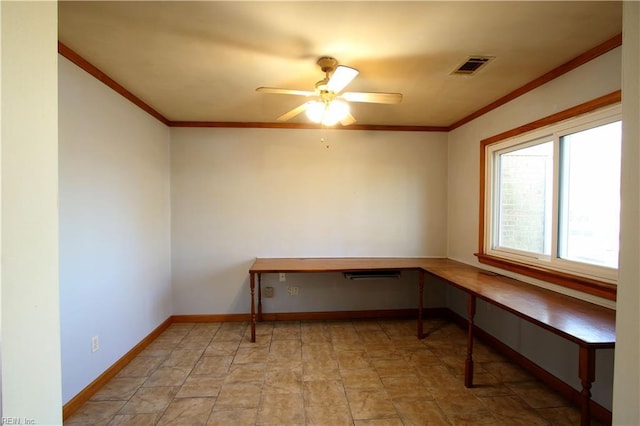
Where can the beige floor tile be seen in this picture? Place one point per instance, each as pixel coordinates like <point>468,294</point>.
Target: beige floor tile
<point>353,360</point>
<point>285,349</point>
<point>320,370</point>
<point>149,400</point>
<point>183,358</point>
<point>147,419</point>
<point>228,336</point>
<point>283,381</point>
<point>537,395</point>
<point>193,342</point>
<point>221,349</point>
<point>212,366</point>
<point>438,377</point>
<point>204,331</point>
<point>382,350</point>
<point>251,355</point>
<point>405,388</point>
<point>95,413</point>
<point>563,416</point>
<point>279,364</point>
<point>486,385</point>
<point>455,363</point>
<point>235,417</point>
<point>511,410</point>
<point>187,412</point>
<point>461,406</point>
<point>506,372</point>
<point>200,386</point>
<point>344,332</point>
<point>119,389</point>
<point>211,326</point>
<point>328,415</point>
<point>168,376</point>
<point>281,409</point>
<point>140,367</point>
<point>393,367</point>
<point>392,421</point>
<point>420,356</point>
<point>246,373</point>
<point>317,351</point>
<point>370,404</point>
<point>327,392</point>
<point>417,412</point>
<point>314,332</point>
<point>239,395</point>
<point>377,336</point>
<point>159,349</point>
<point>286,332</point>
<point>484,353</point>
<point>366,378</point>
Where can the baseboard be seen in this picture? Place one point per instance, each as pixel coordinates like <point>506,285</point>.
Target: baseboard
<point>599,412</point>
<point>85,394</point>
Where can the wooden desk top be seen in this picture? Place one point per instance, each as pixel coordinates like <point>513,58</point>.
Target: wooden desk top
<point>334,264</point>
<point>579,321</point>
<point>576,320</point>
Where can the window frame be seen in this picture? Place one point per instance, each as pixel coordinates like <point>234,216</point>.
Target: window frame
<point>594,280</point>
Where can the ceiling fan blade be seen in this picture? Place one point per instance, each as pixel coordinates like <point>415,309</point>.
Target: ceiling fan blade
<point>297,110</point>
<point>340,78</point>
<point>349,119</point>
<point>284,91</point>
<point>373,97</point>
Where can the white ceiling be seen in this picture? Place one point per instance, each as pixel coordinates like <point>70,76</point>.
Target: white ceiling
<point>202,61</point>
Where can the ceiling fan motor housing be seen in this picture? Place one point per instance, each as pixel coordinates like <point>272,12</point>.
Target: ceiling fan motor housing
<point>327,64</point>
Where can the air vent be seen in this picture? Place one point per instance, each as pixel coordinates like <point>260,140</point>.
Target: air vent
<point>472,65</point>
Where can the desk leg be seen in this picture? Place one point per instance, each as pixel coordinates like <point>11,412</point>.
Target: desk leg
<point>587,373</point>
<point>468,363</point>
<point>252,286</point>
<point>420,304</point>
<point>259,296</point>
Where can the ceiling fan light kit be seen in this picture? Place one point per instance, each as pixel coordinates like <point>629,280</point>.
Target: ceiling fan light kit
<point>327,113</point>
<point>329,106</point>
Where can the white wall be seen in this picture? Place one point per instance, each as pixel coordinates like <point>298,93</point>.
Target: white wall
<point>596,78</point>
<point>29,175</point>
<point>238,194</point>
<point>115,255</point>
<point>626,391</point>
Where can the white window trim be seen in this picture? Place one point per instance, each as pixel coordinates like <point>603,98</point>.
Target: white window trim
<point>551,132</point>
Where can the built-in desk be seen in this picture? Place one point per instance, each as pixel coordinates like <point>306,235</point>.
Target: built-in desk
<point>343,264</point>
<point>588,325</point>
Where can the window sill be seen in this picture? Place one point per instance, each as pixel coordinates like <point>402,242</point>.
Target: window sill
<point>575,282</point>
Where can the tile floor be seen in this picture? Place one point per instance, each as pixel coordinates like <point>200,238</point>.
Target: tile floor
<point>320,373</point>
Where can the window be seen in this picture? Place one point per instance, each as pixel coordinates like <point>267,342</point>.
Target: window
<point>550,203</point>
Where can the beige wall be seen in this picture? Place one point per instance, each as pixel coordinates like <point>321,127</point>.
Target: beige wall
<point>31,379</point>
<point>115,254</point>
<point>238,194</point>
<point>626,390</point>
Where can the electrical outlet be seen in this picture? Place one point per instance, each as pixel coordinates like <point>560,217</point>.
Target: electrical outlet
<point>283,277</point>
<point>268,292</point>
<point>293,291</point>
<point>95,344</point>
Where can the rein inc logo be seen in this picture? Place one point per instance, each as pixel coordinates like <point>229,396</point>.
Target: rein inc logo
<point>17,421</point>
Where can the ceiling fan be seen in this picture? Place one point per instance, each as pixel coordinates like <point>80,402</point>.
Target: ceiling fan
<point>327,105</point>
